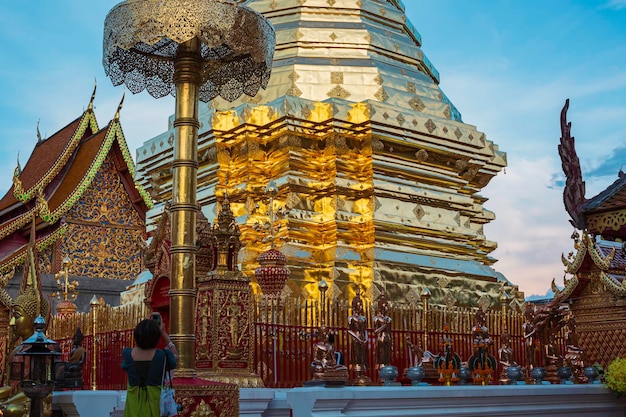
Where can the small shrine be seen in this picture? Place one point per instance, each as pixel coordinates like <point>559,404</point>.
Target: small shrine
<point>223,312</point>
<point>595,271</point>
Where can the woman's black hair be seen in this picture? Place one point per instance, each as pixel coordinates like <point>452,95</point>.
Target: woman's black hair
<point>147,334</point>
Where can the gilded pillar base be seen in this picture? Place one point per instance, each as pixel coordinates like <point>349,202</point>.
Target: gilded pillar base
<point>199,397</point>
<point>224,329</point>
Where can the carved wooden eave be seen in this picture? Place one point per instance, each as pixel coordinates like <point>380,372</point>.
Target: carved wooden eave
<point>76,160</point>
<point>603,262</point>
<point>613,284</point>
<point>606,212</point>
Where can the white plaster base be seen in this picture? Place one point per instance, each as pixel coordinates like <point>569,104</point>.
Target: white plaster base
<point>455,401</point>
<point>83,403</point>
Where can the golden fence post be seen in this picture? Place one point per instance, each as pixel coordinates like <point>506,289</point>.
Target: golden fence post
<point>425,296</point>
<point>504,299</point>
<point>94,306</point>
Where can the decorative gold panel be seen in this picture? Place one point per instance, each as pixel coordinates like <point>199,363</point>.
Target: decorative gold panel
<point>613,220</point>
<point>104,237</point>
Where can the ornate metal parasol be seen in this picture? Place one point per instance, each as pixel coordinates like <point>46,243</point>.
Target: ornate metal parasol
<point>195,50</point>
<point>142,40</point>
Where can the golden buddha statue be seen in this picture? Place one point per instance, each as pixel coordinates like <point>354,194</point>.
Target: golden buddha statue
<point>24,309</point>
<point>14,403</point>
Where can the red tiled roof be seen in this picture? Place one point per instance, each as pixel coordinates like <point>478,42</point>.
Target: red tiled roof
<point>619,260</point>
<point>80,164</point>
<point>41,160</point>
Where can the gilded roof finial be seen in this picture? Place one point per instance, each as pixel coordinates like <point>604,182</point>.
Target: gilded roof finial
<point>18,168</point>
<point>93,95</point>
<point>119,107</point>
<point>39,140</point>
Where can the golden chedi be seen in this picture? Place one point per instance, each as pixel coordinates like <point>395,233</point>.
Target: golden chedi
<point>381,176</point>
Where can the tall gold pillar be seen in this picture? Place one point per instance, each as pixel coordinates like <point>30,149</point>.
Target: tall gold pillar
<point>187,67</point>
<point>223,49</point>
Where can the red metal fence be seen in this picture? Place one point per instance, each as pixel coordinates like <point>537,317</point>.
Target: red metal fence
<point>285,336</point>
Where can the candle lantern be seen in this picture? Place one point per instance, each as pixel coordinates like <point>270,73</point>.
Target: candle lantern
<point>39,354</point>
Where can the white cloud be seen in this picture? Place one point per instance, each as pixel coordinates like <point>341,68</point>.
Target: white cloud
<point>531,226</point>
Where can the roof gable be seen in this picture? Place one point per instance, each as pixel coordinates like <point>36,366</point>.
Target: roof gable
<point>47,160</point>
<point>73,174</point>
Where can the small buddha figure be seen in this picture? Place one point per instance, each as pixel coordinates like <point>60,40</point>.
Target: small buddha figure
<point>382,329</point>
<point>357,329</point>
<point>505,352</point>
<point>505,356</point>
<point>70,374</point>
<point>324,366</point>
<point>77,356</point>
<point>25,308</point>
<point>530,336</point>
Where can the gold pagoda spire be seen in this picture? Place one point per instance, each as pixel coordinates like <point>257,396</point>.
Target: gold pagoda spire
<point>382,176</point>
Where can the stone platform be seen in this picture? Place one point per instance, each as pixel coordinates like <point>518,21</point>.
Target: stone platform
<point>455,401</point>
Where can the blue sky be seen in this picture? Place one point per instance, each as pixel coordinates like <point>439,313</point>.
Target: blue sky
<point>508,66</point>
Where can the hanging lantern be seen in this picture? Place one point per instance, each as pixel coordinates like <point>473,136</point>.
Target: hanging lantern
<point>272,274</point>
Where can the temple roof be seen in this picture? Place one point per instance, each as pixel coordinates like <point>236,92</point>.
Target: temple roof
<point>58,172</point>
<point>607,256</point>
<point>611,198</point>
<point>46,161</point>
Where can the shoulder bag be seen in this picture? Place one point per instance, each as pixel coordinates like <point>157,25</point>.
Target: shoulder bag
<point>167,404</point>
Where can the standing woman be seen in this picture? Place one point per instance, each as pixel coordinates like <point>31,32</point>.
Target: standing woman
<point>144,365</point>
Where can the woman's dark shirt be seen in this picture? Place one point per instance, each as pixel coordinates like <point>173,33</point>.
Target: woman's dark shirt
<point>154,372</point>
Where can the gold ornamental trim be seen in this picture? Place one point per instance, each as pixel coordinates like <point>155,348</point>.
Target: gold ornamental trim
<point>121,140</point>
<point>613,220</point>
<point>612,285</point>
<point>601,261</point>
<point>114,132</point>
<point>568,288</point>
<point>141,39</point>
<point>572,267</point>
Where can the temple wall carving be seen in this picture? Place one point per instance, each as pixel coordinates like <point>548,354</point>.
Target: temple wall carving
<point>104,236</point>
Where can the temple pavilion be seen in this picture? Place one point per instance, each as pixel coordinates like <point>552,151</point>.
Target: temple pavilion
<point>78,189</point>
<point>596,287</point>
<point>379,173</point>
